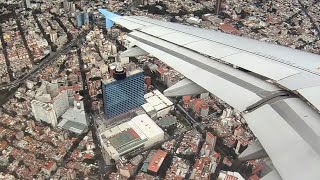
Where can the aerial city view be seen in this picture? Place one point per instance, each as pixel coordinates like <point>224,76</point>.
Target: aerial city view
<point>160,89</point>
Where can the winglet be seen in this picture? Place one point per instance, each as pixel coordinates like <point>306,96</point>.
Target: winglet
<point>108,15</point>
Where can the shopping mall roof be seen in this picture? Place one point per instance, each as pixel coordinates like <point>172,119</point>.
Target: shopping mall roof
<point>147,125</point>
<point>123,138</point>
<point>131,134</point>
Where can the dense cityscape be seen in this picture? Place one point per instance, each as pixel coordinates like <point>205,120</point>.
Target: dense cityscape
<point>62,79</point>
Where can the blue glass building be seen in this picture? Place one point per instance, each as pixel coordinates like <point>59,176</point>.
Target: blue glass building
<point>120,96</point>
<point>82,19</point>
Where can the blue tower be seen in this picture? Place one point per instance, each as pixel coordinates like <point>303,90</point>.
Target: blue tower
<point>121,93</point>
<point>80,19</point>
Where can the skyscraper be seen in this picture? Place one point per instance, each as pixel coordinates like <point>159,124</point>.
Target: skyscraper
<point>218,6</point>
<point>85,18</point>
<point>82,19</point>
<point>28,4</point>
<point>66,5</point>
<point>121,93</point>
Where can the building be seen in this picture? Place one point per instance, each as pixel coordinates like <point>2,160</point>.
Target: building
<point>74,119</point>
<point>136,160</point>
<point>211,139</point>
<point>28,4</point>
<point>53,36</point>
<point>209,145</point>
<point>123,60</point>
<point>186,101</point>
<point>204,95</point>
<point>156,162</point>
<point>49,104</point>
<point>147,81</point>
<point>241,144</point>
<point>138,133</point>
<point>126,170</point>
<point>202,169</point>
<point>178,169</point>
<point>82,19</point>
<point>3,145</point>
<point>60,103</point>
<point>61,40</point>
<point>73,8</point>
<point>147,160</point>
<point>66,5</point>
<point>218,6</point>
<point>204,110</point>
<point>157,105</point>
<point>44,112</point>
<point>124,94</point>
<point>49,167</point>
<point>167,122</point>
<point>228,175</point>
<point>53,89</point>
<point>254,177</point>
<point>193,20</point>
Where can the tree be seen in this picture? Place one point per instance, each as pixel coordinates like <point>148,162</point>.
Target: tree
<point>20,163</point>
<point>99,96</point>
<point>170,130</point>
<point>14,173</point>
<point>3,169</point>
<point>89,161</point>
<point>40,156</point>
<point>11,158</point>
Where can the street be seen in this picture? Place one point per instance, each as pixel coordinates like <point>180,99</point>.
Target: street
<point>103,168</point>
<point>45,62</point>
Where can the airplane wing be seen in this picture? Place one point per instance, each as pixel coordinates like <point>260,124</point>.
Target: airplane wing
<point>282,112</point>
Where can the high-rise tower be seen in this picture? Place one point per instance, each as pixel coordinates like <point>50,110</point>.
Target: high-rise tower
<point>218,6</point>
<point>123,92</point>
<point>28,4</point>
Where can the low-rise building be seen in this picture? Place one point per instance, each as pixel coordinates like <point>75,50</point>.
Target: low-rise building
<point>202,169</point>
<point>74,119</point>
<point>228,175</point>
<point>138,133</point>
<point>157,105</point>
<point>49,167</point>
<point>178,169</point>
<point>156,162</point>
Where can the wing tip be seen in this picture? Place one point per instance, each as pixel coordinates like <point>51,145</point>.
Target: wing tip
<point>108,15</point>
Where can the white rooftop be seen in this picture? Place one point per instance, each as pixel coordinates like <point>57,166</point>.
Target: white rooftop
<point>147,125</point>
<point>156,101</point>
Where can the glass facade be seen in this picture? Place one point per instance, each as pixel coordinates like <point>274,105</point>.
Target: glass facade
<point>123,95</point>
